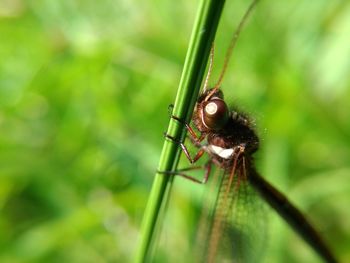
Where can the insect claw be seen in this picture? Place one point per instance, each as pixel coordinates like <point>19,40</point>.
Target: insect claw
<point>167,136</point>
<point>171,138</point>
<point>177,119</point>
<point>170,112</point>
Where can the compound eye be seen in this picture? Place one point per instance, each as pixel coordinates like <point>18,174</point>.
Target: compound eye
<point>215,114</point>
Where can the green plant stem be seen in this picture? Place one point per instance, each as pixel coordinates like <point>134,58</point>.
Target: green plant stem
<point>196,60</point>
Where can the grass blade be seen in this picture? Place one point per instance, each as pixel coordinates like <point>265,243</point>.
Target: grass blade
<point>196,59</point>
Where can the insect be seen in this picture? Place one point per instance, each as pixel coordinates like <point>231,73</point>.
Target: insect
<point>230,144</point>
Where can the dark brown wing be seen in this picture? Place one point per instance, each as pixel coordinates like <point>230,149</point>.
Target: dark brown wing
<point>290,214</point>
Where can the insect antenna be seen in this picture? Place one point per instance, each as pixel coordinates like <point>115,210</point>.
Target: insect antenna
<point>211,59</point>
<point>233,44</point>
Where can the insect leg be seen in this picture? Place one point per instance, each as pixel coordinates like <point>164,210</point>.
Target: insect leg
<point>181,173</point>
<point>193,136</point>
<point>199,154</point>
<point>240,152</point>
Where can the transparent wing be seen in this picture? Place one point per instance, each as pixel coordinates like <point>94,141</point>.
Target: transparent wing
<point>233,224</point>
<point>245,233</point>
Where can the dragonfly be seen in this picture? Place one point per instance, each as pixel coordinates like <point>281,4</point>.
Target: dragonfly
<point>228,138</point>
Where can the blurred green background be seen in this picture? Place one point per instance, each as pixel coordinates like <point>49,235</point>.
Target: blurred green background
<point>84,91</point>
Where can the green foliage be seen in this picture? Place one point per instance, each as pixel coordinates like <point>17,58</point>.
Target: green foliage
<point>84,91</point>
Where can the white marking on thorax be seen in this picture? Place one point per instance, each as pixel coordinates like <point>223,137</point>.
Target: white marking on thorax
<point>222,152</point>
